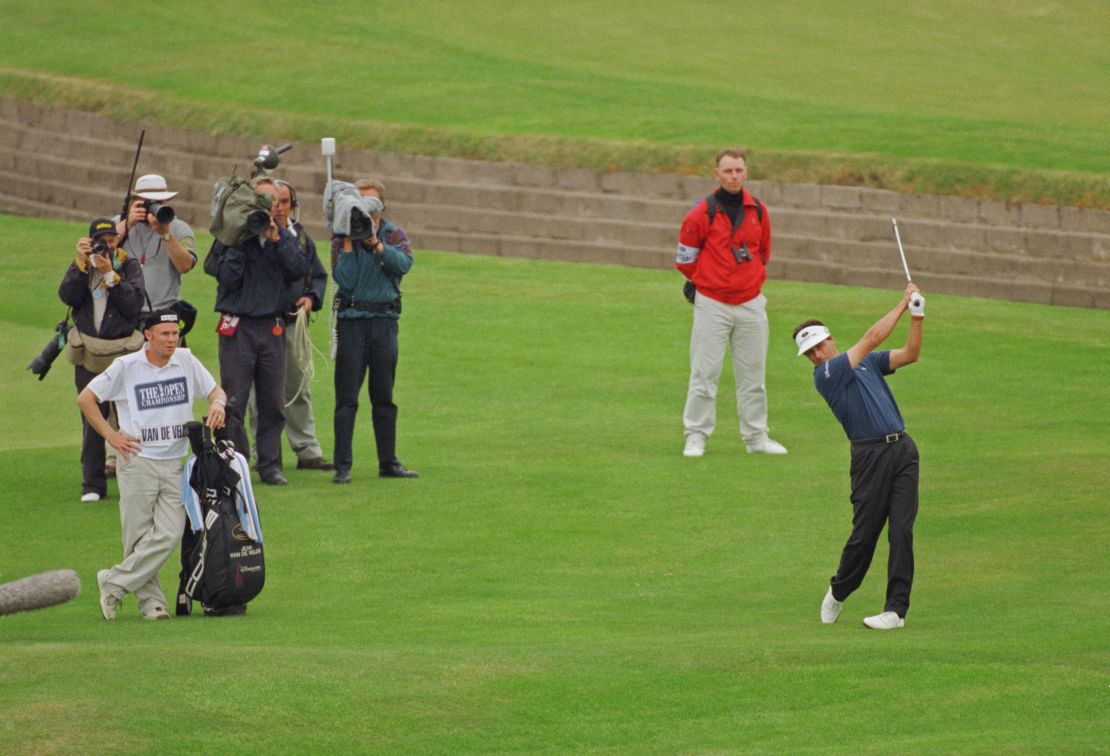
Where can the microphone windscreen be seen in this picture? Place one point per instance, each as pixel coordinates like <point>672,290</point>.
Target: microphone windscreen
<point>39,591</point>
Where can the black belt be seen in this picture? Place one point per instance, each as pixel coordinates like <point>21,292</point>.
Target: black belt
<point>379,307</point>
<point>889,438</point>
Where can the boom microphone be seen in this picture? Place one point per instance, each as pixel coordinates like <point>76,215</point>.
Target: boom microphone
<point>268,156</point>
<point>39,591</point>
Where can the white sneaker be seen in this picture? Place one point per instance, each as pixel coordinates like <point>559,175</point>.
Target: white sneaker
<point>884,621</point>
<point>89,498</point>
<point>830,608</point>
<point>108,602</point>
<point>766,446</point>
<point>695,445</point>
<point>156,613</point>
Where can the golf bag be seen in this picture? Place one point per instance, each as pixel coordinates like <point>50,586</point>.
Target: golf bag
<point>221,550</point>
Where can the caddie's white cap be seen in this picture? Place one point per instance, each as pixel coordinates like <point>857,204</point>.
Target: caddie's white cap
<point>153,187</point>
<point>809,337</point>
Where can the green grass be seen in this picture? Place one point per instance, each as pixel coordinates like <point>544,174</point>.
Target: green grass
<point>560,578</point>
<point>1001,99</point>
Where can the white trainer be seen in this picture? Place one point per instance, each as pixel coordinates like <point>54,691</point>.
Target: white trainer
<point>108,602</point>
<point>156,613</point>
<point>766,446</point>
<point>830,608</point>
<point>695,445</point>
<point>884,621</point>
<point>90,497</point>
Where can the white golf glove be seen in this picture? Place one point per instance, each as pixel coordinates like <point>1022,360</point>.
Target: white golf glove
<point>917,305</point>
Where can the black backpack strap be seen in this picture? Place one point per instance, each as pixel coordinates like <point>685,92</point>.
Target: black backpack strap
<point>710,208</point>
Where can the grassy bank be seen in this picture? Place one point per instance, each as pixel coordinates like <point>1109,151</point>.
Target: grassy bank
<point>999,99</point>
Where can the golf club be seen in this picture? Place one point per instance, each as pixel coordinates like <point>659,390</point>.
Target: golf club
<point>902,252</point>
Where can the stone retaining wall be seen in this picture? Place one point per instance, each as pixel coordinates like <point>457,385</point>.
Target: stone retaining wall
<point>75,165</point>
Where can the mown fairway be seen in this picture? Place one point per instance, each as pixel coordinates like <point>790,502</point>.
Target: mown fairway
<point>939,94</point>
<point>560,578</point>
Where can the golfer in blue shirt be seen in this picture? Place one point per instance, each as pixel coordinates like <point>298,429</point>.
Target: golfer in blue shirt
<point>884,458</point>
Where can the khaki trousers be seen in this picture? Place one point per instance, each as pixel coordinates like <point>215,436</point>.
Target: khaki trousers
<point>151,518</point>
<point>742,329</point>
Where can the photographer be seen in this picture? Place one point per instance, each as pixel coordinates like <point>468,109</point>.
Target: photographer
<point>166,251</point>
<point>104,287</point>
<point>305,294</point>
<point>254,279</point>
<point>368,273</point>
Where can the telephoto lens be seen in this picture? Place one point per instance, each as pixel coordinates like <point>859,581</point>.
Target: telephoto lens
<point>258,222</point>
<point>99,248</point>
<point>362,226</point>
<point>164,213</point>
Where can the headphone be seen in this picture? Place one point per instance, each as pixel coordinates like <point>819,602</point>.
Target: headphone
<point>292,194</point>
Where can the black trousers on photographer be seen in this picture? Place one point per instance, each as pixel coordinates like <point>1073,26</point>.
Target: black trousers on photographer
<point>255,355</point>
<point>93,479</point>
<point>365,345</point>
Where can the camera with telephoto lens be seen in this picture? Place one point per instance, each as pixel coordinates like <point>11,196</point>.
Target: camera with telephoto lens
<point>362,225</point>
<point>258,222</point>
<point>163,213</point>
<point>40,366</point>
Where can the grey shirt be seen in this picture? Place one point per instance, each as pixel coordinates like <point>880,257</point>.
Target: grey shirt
<point>163,281</point>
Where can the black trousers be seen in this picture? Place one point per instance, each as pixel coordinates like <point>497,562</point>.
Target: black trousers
<point>365,345</point>
<point>884,490</point>
<point>255,355</point>
<point>93,479</point>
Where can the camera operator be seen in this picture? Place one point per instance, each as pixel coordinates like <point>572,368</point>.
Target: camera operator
<point>104,287</point>
<point>254,279</point>
<point>166,251</point>
<point>305,294</point>
<point>368,273</point>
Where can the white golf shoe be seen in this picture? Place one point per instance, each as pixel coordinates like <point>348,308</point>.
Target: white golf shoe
<point>108,602</point>
<point>884,621</point>
<point>695,445</point>
<point>830,608</point>
<point>766,446</point>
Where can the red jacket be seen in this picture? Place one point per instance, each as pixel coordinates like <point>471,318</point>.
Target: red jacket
<point>705,254</point>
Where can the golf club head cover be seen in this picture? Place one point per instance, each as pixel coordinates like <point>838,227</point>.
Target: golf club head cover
<point>917,305</point>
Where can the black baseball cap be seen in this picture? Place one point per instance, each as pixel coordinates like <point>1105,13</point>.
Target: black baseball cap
<point>101,226</point>
<point>158,317</point>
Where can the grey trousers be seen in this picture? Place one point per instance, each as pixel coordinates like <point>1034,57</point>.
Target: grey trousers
<point>255,357</point>
<point>151,519</point>
<point>743,330</point>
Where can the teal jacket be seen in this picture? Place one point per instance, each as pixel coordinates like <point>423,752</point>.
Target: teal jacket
<point>363,276</point>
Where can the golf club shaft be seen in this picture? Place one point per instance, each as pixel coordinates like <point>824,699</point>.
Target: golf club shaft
<point>901,252</point>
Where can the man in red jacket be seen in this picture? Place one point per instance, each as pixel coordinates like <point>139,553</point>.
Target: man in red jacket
<point>723,248</point>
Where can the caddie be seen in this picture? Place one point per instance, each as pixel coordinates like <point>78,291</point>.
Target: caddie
<point>885,464</point>
<point>154,390</point>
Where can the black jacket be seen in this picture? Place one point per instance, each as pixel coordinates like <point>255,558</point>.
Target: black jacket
<point>125,300</point>
<point>315,280</point>
<point>254,278</point>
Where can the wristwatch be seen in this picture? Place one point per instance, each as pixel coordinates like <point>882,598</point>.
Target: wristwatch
<point>167,236</point>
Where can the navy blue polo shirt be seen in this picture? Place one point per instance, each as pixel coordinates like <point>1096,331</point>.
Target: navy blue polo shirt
<point>860,398</point>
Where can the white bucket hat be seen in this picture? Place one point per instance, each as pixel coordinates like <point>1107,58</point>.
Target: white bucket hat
<point>809,337</point>
<point>153,187</point>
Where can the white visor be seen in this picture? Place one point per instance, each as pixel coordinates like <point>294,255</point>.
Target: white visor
<point>809,337</point>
